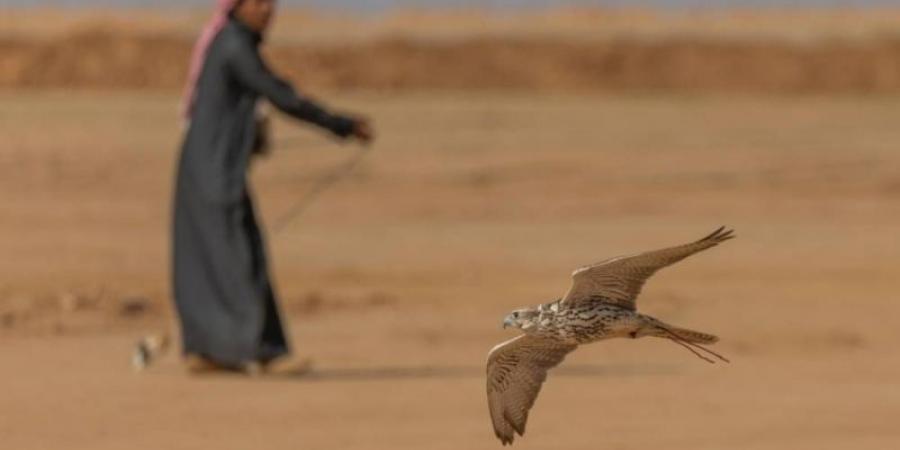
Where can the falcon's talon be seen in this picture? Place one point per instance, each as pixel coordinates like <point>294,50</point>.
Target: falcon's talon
<point>600,305</point>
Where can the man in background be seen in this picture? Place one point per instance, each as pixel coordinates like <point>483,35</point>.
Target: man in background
<point>223,295</point>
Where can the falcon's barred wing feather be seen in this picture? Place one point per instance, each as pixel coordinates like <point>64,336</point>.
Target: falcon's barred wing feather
<point>515,371</point>
<point>618,281</point>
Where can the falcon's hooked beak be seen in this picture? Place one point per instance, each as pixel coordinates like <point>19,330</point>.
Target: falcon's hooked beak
<point>508,321</point>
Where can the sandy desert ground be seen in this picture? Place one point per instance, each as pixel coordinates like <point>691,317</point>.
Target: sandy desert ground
<point>471,204</point>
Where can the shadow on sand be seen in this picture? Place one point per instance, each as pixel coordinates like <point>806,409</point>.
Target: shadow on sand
<point>310,373</point>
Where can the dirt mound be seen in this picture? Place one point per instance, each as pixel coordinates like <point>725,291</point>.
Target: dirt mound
<point>102,58</point>
<point>95,58</point>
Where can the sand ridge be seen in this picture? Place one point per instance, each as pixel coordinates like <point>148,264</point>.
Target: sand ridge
<point>844,51</point>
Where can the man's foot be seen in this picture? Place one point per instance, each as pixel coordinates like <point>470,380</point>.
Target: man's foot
<point>290,367</point>
<point>198,365</point>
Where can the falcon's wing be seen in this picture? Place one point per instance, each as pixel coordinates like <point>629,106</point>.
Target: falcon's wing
<point>515,371</point>
<point>618,281</point>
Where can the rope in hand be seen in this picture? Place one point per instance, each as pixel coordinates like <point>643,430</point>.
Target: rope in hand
<point>319,187</point>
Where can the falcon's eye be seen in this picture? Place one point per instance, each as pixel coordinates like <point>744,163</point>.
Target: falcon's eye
<point>516,314</point>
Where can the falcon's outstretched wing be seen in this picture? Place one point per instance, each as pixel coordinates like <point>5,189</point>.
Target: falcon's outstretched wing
<point>618,281</point>
<point>515,371</point>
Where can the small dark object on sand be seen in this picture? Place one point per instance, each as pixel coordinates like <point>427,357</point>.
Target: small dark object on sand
<point>134,306</point>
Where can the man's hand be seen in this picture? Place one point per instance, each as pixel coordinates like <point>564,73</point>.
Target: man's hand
<point>362,130</point>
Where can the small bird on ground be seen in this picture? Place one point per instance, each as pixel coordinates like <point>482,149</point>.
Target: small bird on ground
<point>599,305</point>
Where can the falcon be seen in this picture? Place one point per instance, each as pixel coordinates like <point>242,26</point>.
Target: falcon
<point>599,305</point>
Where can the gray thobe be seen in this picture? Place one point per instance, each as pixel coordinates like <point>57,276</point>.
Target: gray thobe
<point>222,291</point>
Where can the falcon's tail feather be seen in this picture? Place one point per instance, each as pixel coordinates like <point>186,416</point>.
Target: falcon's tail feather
<point>692,340</point>
<point>693,337</point>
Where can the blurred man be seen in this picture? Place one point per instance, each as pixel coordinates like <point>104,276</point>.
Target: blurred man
<point>228,311</point>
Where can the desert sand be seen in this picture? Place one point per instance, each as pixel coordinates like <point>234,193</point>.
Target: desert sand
<point>471,204</point>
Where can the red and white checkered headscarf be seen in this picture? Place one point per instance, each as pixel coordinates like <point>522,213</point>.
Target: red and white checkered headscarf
<point>198,57</point>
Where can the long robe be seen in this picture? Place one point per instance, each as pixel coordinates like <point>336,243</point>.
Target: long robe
<point>222,292</point>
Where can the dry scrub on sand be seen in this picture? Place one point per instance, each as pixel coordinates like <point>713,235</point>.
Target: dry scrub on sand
<point>556,50</point>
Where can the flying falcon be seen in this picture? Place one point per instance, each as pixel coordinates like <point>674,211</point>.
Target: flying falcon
<point>599,305</point>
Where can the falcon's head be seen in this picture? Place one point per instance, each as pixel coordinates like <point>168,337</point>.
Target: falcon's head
<point>525,319</point>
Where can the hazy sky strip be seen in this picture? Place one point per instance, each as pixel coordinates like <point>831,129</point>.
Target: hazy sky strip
<point>380,5</point>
